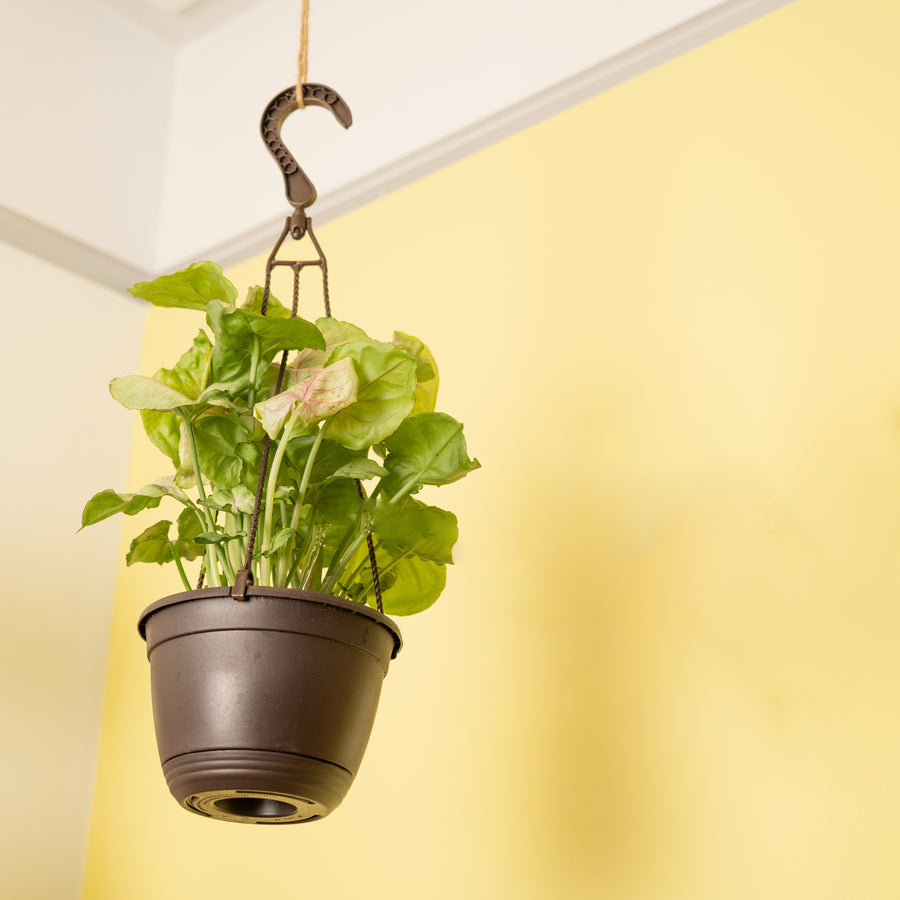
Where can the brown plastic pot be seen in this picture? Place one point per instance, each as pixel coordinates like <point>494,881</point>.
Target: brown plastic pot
<point>263,707</point>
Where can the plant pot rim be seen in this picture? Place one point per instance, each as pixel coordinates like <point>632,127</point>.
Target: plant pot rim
<point>254,590</point>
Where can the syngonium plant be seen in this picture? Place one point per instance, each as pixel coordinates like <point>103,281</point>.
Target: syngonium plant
<point>351,411</point>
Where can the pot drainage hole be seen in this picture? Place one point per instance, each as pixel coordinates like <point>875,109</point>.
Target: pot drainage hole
<point>255,807</point>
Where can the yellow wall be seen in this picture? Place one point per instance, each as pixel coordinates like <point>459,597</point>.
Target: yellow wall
<point>666,664</point>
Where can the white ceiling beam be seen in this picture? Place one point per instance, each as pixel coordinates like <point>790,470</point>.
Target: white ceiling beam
<point>342,194</point>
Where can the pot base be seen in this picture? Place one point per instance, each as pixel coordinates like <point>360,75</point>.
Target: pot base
<point>258,787</point>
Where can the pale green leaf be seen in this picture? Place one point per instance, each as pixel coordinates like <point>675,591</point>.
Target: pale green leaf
<point>191,288</point>
<point>140,392</point>
<point>107,503</point>
<point>235,500</point>
<point>408,586</point>
<point>384,397</point>
<point>338,333</point>
<point>274,308</point>
<point>427,377</point>
<point>361,469</point>
<point>217,537</point>
<point>427,531</point>
<point>189,376</point>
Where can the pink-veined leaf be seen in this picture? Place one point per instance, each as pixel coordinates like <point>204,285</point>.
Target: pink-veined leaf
<point>318,394</point>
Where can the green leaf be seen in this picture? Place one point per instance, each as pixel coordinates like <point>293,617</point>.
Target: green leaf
<point>281,539</point>
<point>140,392</point>
<point>191,373</point>
<point>358,469</point>
<point>417,584</point>
<point>384,397</point>
<point>189,376</point>
<point>235,329</point>
<point>338,333</point>
<point>427,376</point>
<point>362,469</point>
<point>274,309</point>
<point>217,437</point>
<point>238,499</point>
<point>283,334</point>
<point>224,393</point>
<point>337,503</point>
<point>107,503</point>
<point>427,449</point>
<point>427,531</point>
<point>164,430</point>
<point>216,537</point>
<point>250,454</point>
<point>300,363</point>
<point>151,545</point>
<point>329,459</point>
<point>318,394</point>
<point>191,288</point>
<point>189,527</point>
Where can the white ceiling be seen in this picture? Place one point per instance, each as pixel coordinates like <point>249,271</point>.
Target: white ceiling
<point>133,142</point>
<point>178,21</point>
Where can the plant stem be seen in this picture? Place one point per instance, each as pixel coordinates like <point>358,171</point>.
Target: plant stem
<point>180,567</point>
<point>312,569</point>
<point>213,550</point>
<point>245,527</point>
<point>234,548</point>
<point>254,365</point>
<point>270,493</point>
<point>334,573</point>
<point>307,470</point>
<point>362,564</point>
<point>348,536</point>
<point>301,491</point>
<point>305,558</point>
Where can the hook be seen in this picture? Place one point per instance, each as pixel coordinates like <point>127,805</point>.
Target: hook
<point>299,189</point>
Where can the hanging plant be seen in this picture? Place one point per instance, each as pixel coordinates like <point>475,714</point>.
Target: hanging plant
<point>350,409</point>
<point>297,452</point>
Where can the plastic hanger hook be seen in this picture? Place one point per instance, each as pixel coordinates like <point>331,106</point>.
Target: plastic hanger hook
<point>299,189</point>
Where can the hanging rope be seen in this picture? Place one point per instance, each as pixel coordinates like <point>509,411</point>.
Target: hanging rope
<point>303,57</point>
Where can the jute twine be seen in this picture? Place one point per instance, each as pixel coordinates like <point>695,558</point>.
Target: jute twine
<point>303,57</point>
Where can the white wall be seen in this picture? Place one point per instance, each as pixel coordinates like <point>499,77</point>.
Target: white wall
<point>64,438</point>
